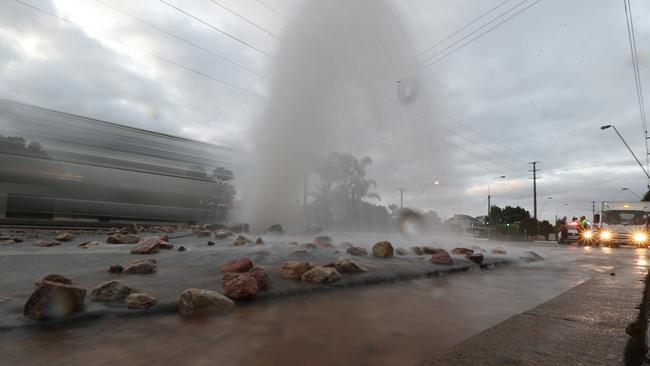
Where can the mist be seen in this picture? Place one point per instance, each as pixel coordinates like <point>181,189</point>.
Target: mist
<point>344,77</point>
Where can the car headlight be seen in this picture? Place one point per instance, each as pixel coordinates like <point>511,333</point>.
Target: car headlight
<point>640,237</point>
<point>605,235</point>
<point>587,234</point>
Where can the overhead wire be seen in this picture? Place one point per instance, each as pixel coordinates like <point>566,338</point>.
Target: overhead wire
<point>443,40</point>
<point>271,9</point>
<point>477,37</point>
<point>235,38</point>
<point>179,38</point>
<point>637,74</point>
<point>244,18</point>
<point>186,68</point>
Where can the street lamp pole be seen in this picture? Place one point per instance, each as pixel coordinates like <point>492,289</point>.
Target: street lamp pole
<point>631,191</point>
<point>489,197</point>
<point>628,147</point>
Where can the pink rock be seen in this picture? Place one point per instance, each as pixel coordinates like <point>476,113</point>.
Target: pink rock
<point>148,245</point>
<point>262,278</point>
<point>243,287</point>
<point>475,257</point>
<point>441,257</point>
<point>238,265</point>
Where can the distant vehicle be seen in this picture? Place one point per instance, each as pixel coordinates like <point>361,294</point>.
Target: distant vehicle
<point>569,233</point>
<point>624,223</point>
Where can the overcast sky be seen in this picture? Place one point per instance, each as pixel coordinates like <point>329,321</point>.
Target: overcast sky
<point>537,88</point>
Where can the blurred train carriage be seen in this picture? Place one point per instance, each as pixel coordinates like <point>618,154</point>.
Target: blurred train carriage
<point>61,167</point>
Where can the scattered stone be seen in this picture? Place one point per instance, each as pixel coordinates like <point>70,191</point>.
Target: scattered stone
<point>130,239</point>
<point>131,228</point>
<point>275,229</point>
<point>417,250</point>
<point>242,287</point>
<point>141,266</point>
<point>181,249</point>
<point>114,239</point>
<point>382,249</point>
<point>166,245</point>
<point>116,269</point>
<point>478,249</point>
<point>347,265</point>
<point>300,251</point>
<point>241,240</point>
<point>110,291</point>
<point>291,242</point>
<point>323,241</point>
<point>430,250</point>
<point>259,241</point>
<point>202,233</point>
<point>320,274</point>
<point>308,245</point>
<point>462,251</point>
<point>195,301</point>
<point>228,276</point>
<point>7,242</point>
<point>346,245</point>
<point>210,243</point>
<point>237,265</point>
<point>140,301</point>
<point>53,300</point>
<point>52,277</point>
<point>612,274</point>
<point>64,237</point>
<point>475,257</point>
<point>499,251</point>
<point>531,257</point>
<point>356,251</point>
<point>18,239</point>
<point>147,245</point>
<point>46,243</point>
<point>401,251</point>
<point>222,234</point>
<point>441,257</point>
<point>89,244</point>
<point>294,269</point>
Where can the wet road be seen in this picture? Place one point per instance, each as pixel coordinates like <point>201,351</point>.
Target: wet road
<point>392,324</point>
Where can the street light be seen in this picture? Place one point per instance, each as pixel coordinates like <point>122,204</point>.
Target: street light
<point>544,205</point>
<point>489,184</point>
<point>631,191</point>
<point>556,207</point>
<point>628,147</point>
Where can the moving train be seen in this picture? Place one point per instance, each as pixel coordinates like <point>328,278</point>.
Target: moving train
<point>58,166</point>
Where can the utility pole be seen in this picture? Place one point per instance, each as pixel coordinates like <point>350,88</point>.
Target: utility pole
<point>401,197</point>
<point>593,210</point>
<point>534,178</point>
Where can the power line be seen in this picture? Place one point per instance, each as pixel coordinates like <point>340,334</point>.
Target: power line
<point>244,18</point>
<point>478,36</point>
<point>474,31</point>
<point>216,28</point>
<point>271,9</point>
<point>496,142</point>
<point>139,49</point>
<point>462,28</point>
<point>637,75</point>
<point>179,38</point>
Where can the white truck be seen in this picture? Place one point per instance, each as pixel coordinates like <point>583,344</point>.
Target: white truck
<point>623,223</point>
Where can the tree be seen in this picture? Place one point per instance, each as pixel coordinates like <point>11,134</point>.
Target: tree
<point>342,188</point>
<point>393,208</point>
<point>529,227</point>
<point>545,228</point>
<point>646,196</point>
<point>508,215</point>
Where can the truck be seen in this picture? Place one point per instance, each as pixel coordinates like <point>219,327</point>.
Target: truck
<point>623,223</point>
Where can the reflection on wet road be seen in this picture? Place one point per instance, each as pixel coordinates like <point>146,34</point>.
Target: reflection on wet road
<point>394,324</point>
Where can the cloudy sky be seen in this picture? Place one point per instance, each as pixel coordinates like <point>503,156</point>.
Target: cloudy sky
<point>536,88</point>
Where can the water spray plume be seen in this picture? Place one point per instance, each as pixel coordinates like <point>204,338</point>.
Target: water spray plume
<point>332,88</point>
